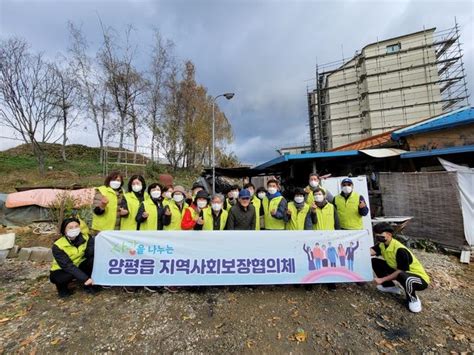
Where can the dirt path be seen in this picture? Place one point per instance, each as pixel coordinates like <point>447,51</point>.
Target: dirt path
<point>354,318</point>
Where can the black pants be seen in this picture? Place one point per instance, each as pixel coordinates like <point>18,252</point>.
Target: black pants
<point>62,278</point>
<point>410,282</point>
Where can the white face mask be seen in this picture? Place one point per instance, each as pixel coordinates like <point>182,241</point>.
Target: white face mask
<point>234,194</point>
<point>73,233</point>
<point>216,206</point>
<point>137,187</point>
<point>201,203</point>
<point>178,197</point>
<point>155,194</point>
<point>167,195</point>
<point>319,198</point>
<point>347,189</point>
<point>251,192</point>
<point>313,183</point>
<point>272,190</point>
<point>115,184</point>
<point>299,199</point>
<point>261,195</point>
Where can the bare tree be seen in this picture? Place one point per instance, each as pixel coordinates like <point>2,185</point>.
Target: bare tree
<point>27,95</point>
<point>91,84</point>
<point>66,98</point>
<point>124,82</point>
<point>162,61</point>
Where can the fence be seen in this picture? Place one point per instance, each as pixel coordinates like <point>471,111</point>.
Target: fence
<point>432,198</point>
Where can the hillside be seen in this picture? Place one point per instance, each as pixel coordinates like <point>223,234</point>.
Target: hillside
<point>18,167</point>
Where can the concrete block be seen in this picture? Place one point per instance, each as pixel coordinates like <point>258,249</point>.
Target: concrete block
<point>7,241</point>
<point>41,254</point>
<point>13,253</point>
<point>24,254</point>
<point>3,256</point>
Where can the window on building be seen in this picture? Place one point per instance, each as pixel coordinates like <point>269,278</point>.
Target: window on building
<point>394,48</point>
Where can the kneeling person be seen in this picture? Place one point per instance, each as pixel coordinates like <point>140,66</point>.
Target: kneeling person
<point>73,255</point>
<point>399,264</point>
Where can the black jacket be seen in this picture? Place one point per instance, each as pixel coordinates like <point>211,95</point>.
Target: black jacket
<point>65,262</point>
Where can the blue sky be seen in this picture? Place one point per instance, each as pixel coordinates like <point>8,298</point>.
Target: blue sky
<point>264,51</point>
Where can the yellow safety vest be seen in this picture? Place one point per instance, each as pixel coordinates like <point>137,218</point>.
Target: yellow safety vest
<point>310,197</point>
<point>348,211</point>
<point>390,256</point>
<point>208,217</point>
<point>325,218</point>
<point>256,203</point>
<point>106,221</point>
<point>151,223</point>
<point>228,205</point>
<point>129,223</point>
<point>270,221</point>
<point>297,218</point>
<point>176,216</point>
<point>75,254</point>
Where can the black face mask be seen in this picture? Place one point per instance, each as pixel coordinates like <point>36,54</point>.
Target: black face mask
<point>380,238</point>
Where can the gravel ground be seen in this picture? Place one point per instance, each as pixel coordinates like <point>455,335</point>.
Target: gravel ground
<point>279,319</point>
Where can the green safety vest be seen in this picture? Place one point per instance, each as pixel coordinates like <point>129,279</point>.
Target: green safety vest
<point>106,221</point>
<point>325,218</point>
<point>209,220</point>
<point>176,216</point>
<point>310,197</point>
<point>297,218</point>
<point>129,223</point>
<point>151,223</point>
<point>75,254</point>
<point>348,211</point>
<point>390,256</point>
<point>256,202</point>
<point>270,221</point>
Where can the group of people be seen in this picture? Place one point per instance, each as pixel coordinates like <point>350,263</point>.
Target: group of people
<point>156,207</point>
<point>322,256</point>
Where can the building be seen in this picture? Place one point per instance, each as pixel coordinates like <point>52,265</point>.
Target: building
<point>388,84</point>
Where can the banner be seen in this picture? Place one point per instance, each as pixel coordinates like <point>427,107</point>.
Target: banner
<point>199,258</point>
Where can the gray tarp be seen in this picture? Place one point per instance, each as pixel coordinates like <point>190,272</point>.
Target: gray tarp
<point>21,216</point>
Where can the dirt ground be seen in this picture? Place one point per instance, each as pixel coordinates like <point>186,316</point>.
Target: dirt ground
<point>279,319</point>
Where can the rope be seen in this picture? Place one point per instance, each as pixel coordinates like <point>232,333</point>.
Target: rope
<point>44,228</point>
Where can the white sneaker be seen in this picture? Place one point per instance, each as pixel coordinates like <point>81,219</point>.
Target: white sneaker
<point>392,289</point>
<point>414,306</point>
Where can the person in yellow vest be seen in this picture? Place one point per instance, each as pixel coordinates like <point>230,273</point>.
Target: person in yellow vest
<point>153,206</point>
<point>323,214</point>
<point>132,202</point>
<point>106,206</point>
<point>174,210</point>
<point>299,212</point>
<point>214,217</point>
<point>232,196</point>
<point>261,193</point>
<point>397,263</point>
<point>351,206</point>
<point>73,257</point>
<point>194,213</point>
<point>315,183</point>
<point>274,207</point>
<point>167,195</point>
<point>256,202</point>
<point>194,190</point>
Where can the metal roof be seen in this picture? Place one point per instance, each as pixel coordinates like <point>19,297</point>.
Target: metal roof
<point>318,155</point>
<point>455,118</point>
<point>436,152</point>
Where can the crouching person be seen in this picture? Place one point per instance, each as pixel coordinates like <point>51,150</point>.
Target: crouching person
<point>73,255</point>
<point>399,264</point>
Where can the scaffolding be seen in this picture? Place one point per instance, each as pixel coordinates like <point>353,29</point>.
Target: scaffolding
<point>388,84</point>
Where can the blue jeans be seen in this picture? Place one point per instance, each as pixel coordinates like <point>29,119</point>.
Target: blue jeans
<point>318,263</point>
<point>350,264</point>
